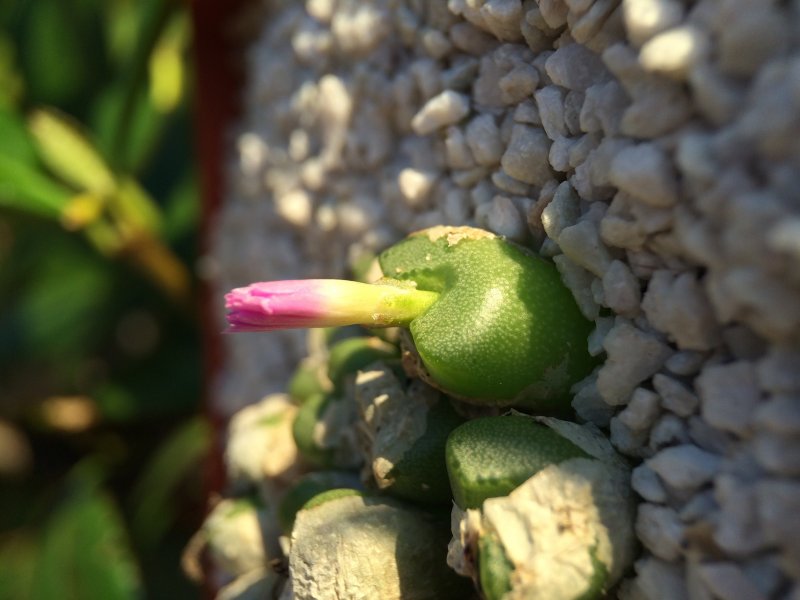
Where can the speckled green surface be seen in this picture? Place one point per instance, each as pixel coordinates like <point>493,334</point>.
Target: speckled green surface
<point>504,331</point>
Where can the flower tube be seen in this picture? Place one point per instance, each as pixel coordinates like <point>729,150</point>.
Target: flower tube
<point>271,305</point>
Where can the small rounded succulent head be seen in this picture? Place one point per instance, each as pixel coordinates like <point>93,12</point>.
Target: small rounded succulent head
<point>504,329</point>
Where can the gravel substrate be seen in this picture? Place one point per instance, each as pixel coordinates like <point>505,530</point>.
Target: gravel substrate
<point>650,147</point>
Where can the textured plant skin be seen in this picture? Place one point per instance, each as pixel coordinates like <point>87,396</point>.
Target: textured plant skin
<point>504,330</point>
<point>489,457</point>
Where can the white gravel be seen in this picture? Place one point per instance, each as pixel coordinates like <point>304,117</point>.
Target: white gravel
<point>652,147</point>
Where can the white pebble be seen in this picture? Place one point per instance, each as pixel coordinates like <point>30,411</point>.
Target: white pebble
<point>660,530</point>
<point>677,305</point>
<point>645,18</point>
<point>642,411</point>
<point>675,397</point>
<point>657,580</point>
<point>675,52</point>
<point>442,110</point>
<point>685,467</point>
<point>416,185</point>
<point>729,394</point>
<point>633,356</point>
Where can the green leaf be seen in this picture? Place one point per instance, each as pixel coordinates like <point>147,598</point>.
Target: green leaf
<point>14,139</point>
<point>68,153</point>
<point>85,553</point>
<point>25,188</point>
<point>154,507</point>
<point>59,308</point>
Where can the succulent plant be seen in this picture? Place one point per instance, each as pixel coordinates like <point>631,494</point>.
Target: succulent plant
<point>549,509</point>
<point>347,545</point>
<point>491,322</point>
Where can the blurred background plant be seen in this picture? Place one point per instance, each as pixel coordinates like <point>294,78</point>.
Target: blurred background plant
<point>99,345</point>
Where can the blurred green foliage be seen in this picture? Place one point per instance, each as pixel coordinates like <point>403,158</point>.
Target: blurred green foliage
<point>100,445</point>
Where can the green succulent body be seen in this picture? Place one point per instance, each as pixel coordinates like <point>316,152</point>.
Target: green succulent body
<point>490,457</point>
<point>504,330</point>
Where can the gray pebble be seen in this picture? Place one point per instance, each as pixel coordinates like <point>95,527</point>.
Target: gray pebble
<point>582,244</point>
<point>737,531</point>
<point>644,172</point>
<point>669,430</point>
<point>468,38</point>
<point>779,371</point>
<point>457,151</point>
<point>502,18</point>
<point>685,362</point>
<point>729,395</point>
<point>675,397</point>
<point>657,580</point>
<point>777,453</point>
<point>684,468</point>
<point>660,530</point>
<point>777,504</point>
<point>519,83</point>
<point>527,112</point>
<point>560,153</point>
<point>504,219</point>
<point>602,326</point>
<point>554,13</point>
<point>525,158</point>
<point>708,438</point>
<point>646,483</point>
<point>573,104</point>
<point>509,185</point>
<point>603,108</point>
<point>550,100</point>
<point>579,282</point>
<point>621,289</point>
<point>725,580</point>
<point>700,507</point>
<point>575,67</point>
<point>779,414</point>
<point>627,441</point>
<point>483,138</point>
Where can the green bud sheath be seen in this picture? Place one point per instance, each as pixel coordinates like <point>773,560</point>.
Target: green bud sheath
<point>504,330</point>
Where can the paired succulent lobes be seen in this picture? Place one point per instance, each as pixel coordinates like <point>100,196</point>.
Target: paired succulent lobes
<point>504,329</point>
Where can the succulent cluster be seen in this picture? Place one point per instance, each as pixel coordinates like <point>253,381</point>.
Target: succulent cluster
<point>385,444</point>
